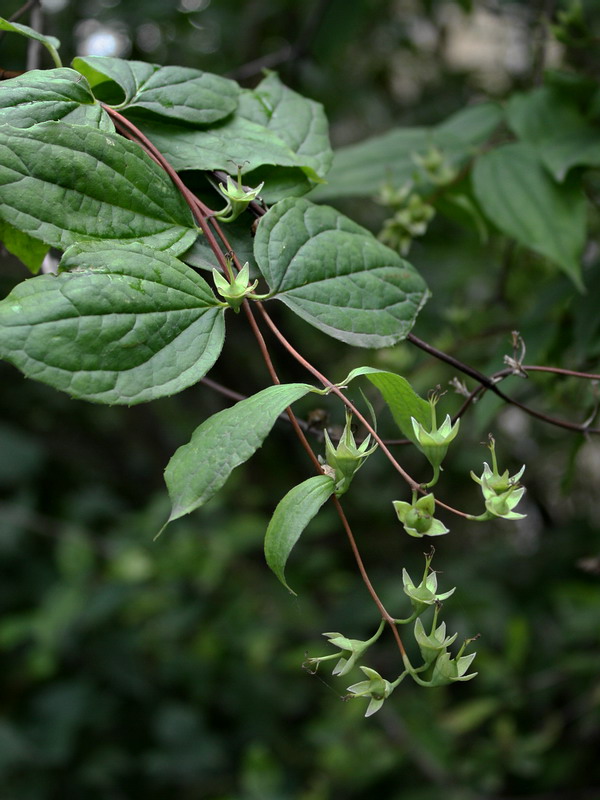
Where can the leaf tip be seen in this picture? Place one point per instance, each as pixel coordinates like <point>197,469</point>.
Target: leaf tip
<point>160,532</point>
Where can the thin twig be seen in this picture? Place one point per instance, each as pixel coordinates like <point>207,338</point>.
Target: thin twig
<point>491,385</point>
<point>338,506</point>
<point>539,39</point>
<point>20,12</point>
<point>225,391</point>
<point>413,484</point>
<point>289,52</point>
<point>203,214</point>
<point>205,219</point>
<point>590,376</point>
<point>200,211</point>
<point>364,575</point>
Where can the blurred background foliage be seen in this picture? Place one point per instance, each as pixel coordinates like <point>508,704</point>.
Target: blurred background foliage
<point>134,668</point>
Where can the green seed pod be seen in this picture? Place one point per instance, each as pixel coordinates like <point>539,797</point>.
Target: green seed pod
<point>418,520</point>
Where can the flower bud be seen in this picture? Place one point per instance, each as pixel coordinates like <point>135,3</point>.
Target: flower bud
<point>432,645</point>
<point>449,670</point>
<point>238,198</point>
<point>501,492</point>
<point>235,292</point>
<point>417,517</point>
<point>425,594</point>
<point>347,458</point>
<point>419,520</point>
<point>501,505</point>
<point>376,688</point>
<point>350,650</point>
<point>434,443</point>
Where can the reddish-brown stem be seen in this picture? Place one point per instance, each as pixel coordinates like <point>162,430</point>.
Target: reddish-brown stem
<point>560,371</point>
<point>275,378</point>
<point>479,390</point>
<point>338,506</point>
<point>505,373</point>
<point>202,214</point>
<point>363,572</point>
<point>200,211</point>
<point>224,390</point>
<point>414,485</point>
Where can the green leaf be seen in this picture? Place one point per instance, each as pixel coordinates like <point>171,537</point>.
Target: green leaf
<point>400,397</point>
<point>50,42</point>
<point>336,275</point>
<point>273,127</point>
<point>277,137</point>
<point>472,125</point>
<point>126,325</point>
<point>579,148</point>
<point>200,468</point>
<point>576,87</point>
<point>291,517</point>
<point>177,92</point>
<point>65,183</point>
<point>458,204</point>
<point>279,182</point>
<point>519,197</point>
<point>359,170</point>
<point>237,141</point>
<point>200,254</point>
<point>563,137</point>
<point>30,251</point>
<point>536,116</point>
<point>52,94</point>
<point>301,123</point>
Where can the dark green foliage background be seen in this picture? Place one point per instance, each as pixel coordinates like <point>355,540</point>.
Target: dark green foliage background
<point>134,668</point>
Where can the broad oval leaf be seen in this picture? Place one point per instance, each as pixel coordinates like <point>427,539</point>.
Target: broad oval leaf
<point>68,183</point>
<point>359,170</point>
<point>471,125</point>
<point>237,141</point>
<point>199,468</point>
<point>50,94</point>
<point>291,517</point>
<point>400,397</point>
<point>262,155</point>
<point>300,122</point>
<point>279,182</point>
<point>126,325</point>
<point>336,275</point>
<point>180,93</point>
<point>563,137</point>
<point>521,199</point>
